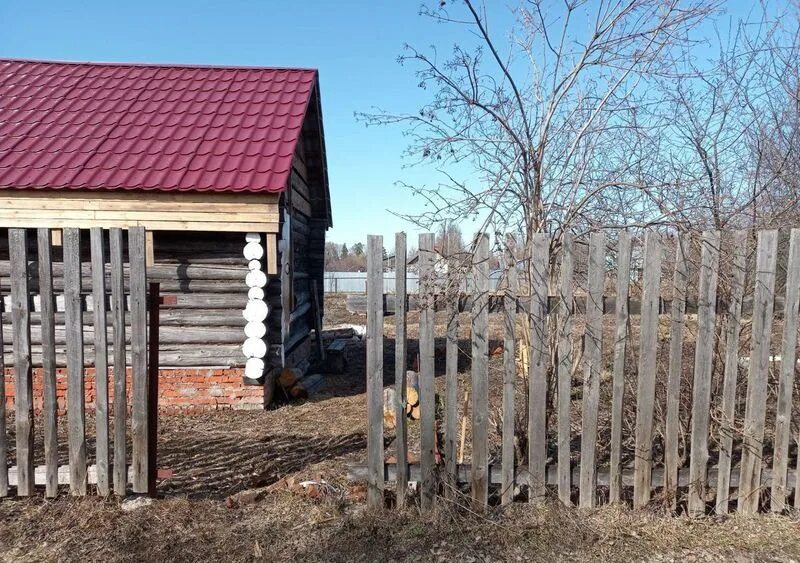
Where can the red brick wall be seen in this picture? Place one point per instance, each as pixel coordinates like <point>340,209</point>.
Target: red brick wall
<point>179,390</point>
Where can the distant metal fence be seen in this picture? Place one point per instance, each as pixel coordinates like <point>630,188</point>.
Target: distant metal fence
<point>356,282</point>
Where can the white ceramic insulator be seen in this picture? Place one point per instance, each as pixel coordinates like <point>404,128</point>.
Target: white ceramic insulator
<point>255,311</point>
<point>254,348</point>
<point>255,329</point>
<point>254,368</point>
<point>252,237</point>
<point>254,265</point>
<point>255,278</point>
<point>253,251</point>
<point>255,293</point>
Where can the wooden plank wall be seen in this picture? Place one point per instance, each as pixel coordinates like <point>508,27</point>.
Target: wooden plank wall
<point>81,471</point>
<point>691,291</point>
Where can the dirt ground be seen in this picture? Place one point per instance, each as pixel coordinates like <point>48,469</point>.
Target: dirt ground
<point>271,486</point>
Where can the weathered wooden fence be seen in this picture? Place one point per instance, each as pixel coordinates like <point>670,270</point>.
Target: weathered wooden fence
<point>106,473</point>
<point>692,411</point>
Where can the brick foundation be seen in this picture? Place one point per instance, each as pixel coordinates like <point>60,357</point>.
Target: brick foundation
<point>179,390</point>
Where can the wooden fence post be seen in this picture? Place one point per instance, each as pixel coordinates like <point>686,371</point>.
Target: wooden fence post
<point>593,344</point>
<point>23,383</point>
<point>565,309</point>
<point>508,482</point>
<point>480,374</point>
<point>139,377</point>
<point>537,372</point>
<point>400,365</point>
<point>120,361</point>
<point>451,383</point>
<point>154,321</point>
<point>76,390</point>
<point>645,390</point>
<point>427,389</point>
<point>375,370</point>
<point>703,368</point>
<point>618,370</point>
<point>672,428</point>
<point>731,375</point>
<point>783,415</point>
<point>3,430</point>
<point>763,301</point>
<point>101,359</point>
<point>50,403</point>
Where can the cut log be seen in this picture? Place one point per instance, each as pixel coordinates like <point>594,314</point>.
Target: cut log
<point>412,396</point>
<point>253,251</point>
<point>389,411</point>
<point>415,413</point>
<point>307,386</point>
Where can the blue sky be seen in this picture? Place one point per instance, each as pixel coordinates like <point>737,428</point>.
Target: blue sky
<point>354,44</point>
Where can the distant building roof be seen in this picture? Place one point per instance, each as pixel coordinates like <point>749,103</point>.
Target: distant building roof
<point>149,127</point>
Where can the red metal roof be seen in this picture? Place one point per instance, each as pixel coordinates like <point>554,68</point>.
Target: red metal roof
<point>149,127</point>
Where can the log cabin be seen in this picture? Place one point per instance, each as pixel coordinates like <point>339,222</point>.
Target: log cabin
<point>224,167</point>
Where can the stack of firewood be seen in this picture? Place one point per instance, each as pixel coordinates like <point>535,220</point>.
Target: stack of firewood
<point>412,401</point>
<point>297,385</point>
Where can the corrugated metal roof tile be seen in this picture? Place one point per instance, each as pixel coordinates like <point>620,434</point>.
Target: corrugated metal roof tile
<point>122,126</point>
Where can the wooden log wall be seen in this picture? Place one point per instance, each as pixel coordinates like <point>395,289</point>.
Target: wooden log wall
<point>593,438</point>
<point>202,277</point>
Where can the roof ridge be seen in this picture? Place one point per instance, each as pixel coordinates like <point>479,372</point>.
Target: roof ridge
<point>156,65</point>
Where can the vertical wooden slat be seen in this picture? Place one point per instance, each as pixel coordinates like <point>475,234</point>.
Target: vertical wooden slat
<point>73,324</point>
<point>732,332</point>
<point>140,461</point>
<point>120,362</point>
<point>317,309</point>
<point>50,414</point>
<point>763,301</point>
<point>101,359</point>
<point>23,382</point>
<point>400,365</point>
<point>451,383</point>
<point>783,415</point>
<point>672,428</point>
<point>537,372</point>
<point>592,355</point>
<point>427,390</point>
<point>565,306</point>
<point>480,374</point>
<point>618,371</point>
<point>3,429</point>
<point>703,370</point>
<point>646,384</point>
<point>154,311</point>
<point>375,370</point>
<point>509,376</point>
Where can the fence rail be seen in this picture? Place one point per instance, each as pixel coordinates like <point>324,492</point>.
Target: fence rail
<point>673,355</point>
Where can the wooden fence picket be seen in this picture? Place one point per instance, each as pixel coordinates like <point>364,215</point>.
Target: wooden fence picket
<point>375,370</point>
<point>731,370</point>
<point>592,356</point>
<point>427,389</point>
<point>480,374</point>
<point>537,372</point>
<point>100,360</point>
<point>23,382</point>
<point>3,430</point>
<point>507,484</point>
<point>621,315</point>
<point>646,380</point>
<point>50,404</point>
<point>116,242</point>
<point>76,389</point>
<point>140,421</point>
<point>755,407</point>
<point>451,385</point>
<point>564,372</point>
<point>783,415</point>
<point>703,367</point>
<point>400,364</point>
<point>672,427</point>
